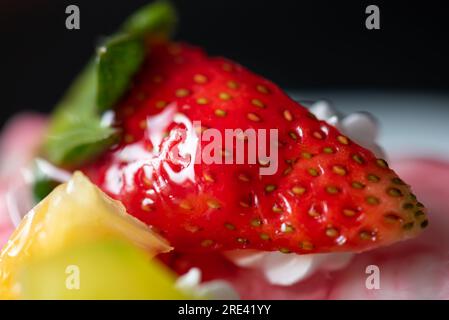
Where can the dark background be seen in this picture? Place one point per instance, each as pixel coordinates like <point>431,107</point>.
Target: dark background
<point>299,44</point>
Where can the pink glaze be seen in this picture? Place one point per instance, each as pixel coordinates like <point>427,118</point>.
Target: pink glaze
<point>19,141</point>
<point>414,269</point>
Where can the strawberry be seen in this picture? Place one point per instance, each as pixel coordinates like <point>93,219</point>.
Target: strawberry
<point>328,193</point>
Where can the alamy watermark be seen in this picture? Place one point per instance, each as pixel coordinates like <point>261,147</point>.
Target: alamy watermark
<point>73,279</point>
<point>72,22</point>
<point>372,22</point>
<point>372,282</point>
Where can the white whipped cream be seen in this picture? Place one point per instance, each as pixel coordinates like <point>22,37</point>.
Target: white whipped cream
<point>287,269</point>
<point>362,127</point>
<point>190,283</point>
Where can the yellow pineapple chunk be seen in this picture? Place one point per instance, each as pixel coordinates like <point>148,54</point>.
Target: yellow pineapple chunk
<point>74,213</point>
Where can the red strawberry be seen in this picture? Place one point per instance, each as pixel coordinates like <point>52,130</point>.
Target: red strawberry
<point>328,194</point>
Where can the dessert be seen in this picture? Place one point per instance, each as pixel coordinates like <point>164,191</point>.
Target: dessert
<point>139,123</point>
<point>327,194</point>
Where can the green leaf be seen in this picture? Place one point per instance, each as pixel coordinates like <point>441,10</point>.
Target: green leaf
<point>77,132</point>
<point>42,185</point>
<point>45,178</point>
<point>83,137</point>
<point>157,17</point>
<point>117,61</point>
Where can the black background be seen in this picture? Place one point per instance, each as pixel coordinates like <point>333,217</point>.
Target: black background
<point>299,44</point>
<point>279,309</point>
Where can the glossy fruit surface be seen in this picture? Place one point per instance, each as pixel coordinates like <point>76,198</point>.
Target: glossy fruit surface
<point>100,270</point>
<point>74,213</point>
<point>328,193</point>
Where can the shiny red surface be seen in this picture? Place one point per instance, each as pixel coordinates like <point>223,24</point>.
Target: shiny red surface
<point>209,207</point>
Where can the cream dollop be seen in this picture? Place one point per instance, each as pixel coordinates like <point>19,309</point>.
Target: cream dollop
<point>287,269</point>
<point>190,283</point>
<point>362,127</point>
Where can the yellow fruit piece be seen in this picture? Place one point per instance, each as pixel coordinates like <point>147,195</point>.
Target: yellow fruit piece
<point>102,270</point>
<point>73,213</point>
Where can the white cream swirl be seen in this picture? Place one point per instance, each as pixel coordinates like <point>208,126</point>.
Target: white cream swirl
<point>285,270</point>
<point>190,283</point>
